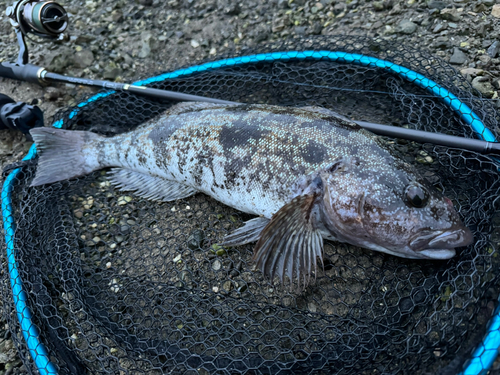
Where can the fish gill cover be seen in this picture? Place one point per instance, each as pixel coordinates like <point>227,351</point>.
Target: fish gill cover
<point>120,284</point>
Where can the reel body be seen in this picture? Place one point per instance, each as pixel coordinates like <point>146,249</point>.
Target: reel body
<point>42,18</point>
<point>46,19</point>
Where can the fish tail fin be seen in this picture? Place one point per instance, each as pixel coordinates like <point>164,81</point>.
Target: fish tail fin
<point>64,154</point>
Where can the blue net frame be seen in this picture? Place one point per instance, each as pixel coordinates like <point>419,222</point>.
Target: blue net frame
<point>481,359</point>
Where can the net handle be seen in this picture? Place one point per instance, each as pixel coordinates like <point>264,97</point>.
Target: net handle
<point>481,360</point>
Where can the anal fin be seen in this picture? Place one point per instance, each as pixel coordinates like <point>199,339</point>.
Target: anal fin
<point>248,233</point>
<point>149,187</point>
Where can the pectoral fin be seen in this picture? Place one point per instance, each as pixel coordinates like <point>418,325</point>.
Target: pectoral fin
<point>150,187</point>
<point>290,243</point>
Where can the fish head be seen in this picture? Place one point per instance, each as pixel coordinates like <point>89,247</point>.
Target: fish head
<point>392,210</point>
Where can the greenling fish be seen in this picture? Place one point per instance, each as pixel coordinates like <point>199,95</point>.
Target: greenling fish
<point>308,173</point>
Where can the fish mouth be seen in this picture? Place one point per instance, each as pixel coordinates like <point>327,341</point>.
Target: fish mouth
<point>438,253</point>
<point>441,245</point>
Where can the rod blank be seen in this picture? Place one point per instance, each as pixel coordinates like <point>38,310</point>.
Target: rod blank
<point>420,136</point>
<point>33,73</point>
<point>476,145</point>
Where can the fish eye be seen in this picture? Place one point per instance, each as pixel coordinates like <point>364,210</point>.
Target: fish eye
<point>417,196</point>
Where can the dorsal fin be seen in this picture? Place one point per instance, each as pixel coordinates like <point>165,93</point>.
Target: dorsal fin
<point>341,120</point>
<point>184,107</point>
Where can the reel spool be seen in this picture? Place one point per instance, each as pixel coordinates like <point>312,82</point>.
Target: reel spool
<point>46,19</point>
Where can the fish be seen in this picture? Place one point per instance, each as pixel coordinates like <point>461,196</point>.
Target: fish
<point>308,174</point>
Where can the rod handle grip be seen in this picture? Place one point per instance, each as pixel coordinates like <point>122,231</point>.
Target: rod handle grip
<point>28,72</point>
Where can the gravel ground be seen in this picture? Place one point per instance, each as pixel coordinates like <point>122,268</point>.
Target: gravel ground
<point>125,40</point>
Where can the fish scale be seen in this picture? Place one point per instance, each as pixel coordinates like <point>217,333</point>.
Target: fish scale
<point>247,157</point>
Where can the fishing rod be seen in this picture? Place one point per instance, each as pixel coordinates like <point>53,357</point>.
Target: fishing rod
<point>32,73</point>
<point>48,19</point>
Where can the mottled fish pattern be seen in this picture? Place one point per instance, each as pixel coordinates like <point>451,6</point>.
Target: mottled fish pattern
<point>307,173</point>
<point>247,157</point>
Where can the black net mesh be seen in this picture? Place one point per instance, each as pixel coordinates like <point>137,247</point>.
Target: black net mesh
<point>119,284</point>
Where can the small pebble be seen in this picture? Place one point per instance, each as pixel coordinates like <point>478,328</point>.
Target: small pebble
<point>483,85</point>
<point>450,14</point>
<point>439,27</point>
<point>216,265</point>
<point>88,203</point>
<point>378,5</point>
<point>195,239</point>
<point>185,274</point>
<point>114,286</point>
<point>228,286</point>
<point>220,252</point>
<point>472,72</point>
<point>436,5</point>
<point>312,307</point>
<point>458,57</point>
<point>495,11</point>
<point>234,273</point>
<point>123,200</point>
<point>406,27</point>
<point>438,353</point>
<point>494,49</point>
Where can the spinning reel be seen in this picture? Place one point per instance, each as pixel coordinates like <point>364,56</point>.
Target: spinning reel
<point>46,19</point>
